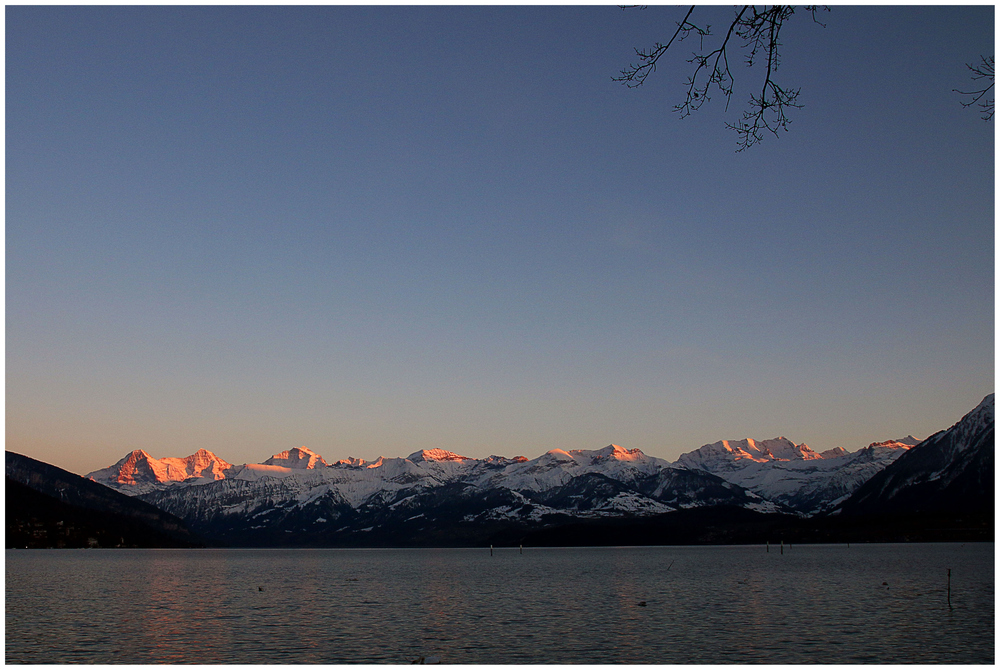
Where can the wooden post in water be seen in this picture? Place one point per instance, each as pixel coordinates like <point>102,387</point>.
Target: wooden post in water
<point>491,550</point>
<point>769,546</point>
<point>949,588</point>
<point>520,549</point>
<point>782,547</point>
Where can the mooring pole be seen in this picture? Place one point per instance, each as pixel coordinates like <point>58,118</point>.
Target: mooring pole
<point>949,588</point>
<point>782,547</point>
<point>520,549</point>
<point>769,546</point>
<point>491,550</point>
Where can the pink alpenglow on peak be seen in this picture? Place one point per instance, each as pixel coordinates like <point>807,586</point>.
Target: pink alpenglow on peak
<point>298,458</point>
<point>202,463</point>
<point>435,455</point>
<point>891,446</point>
<point>141,468</point>
<point>620,453</point>
<point>503,460</point>
<point>760,451</point>
<point>612,452</point>
<point>351,461</point>
<point>905,443</point>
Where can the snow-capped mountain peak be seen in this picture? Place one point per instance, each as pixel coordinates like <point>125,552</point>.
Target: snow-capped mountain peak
<point>136,467</point>
<point>298,458</point>
<point>781,449</point>
<point>836,452</point>
<point>351,461</point>
<point>140,469</point>
<point>202,463</point>
<point>504,461</point>
<point>613,451</point>
<point>905,443</point>
<point>727,453</point>
<point>435,455</point>
<point>983,413</point>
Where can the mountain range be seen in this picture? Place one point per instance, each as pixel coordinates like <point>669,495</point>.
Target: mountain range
<point>438,497</point>
<point>793,475</point>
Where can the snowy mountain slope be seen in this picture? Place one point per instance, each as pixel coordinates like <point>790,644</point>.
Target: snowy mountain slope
<point>688,489</point>
<point>823,493</point>
<point>280,511</point>
<point>793,475</point>
<point>951,471</point>
<point>557,467</point>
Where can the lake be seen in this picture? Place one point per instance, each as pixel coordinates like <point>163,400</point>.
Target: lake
<point>865,603</point>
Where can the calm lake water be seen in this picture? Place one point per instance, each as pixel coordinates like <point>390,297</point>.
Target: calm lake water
<point>812,604</point>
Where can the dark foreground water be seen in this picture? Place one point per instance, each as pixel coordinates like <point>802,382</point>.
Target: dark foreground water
<point>812,604</point>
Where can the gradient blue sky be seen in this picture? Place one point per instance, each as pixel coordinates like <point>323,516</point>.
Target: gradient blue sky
<point>374,230</point>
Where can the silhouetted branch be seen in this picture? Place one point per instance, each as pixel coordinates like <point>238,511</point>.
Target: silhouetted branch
<point>758,31</point>
<point>767,110</point>
<point>985,70</point>
<point>635,75</point>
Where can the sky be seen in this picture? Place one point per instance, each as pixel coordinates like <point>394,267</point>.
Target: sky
<point>374,230</point>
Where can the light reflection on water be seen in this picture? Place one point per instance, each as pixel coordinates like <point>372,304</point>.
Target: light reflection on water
<point>813,604</point>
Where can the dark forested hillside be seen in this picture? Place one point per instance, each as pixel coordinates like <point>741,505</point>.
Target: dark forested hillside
<point>47,506</point>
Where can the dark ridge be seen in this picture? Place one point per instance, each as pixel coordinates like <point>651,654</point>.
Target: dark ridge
<point>43,500</point>
<point>38,521</point>
<point>949,473</point>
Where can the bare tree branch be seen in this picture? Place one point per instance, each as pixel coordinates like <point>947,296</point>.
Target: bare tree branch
<point>758,31</point>
<point>635,75</point>
<point>767,110</point>
<point>985,70</point>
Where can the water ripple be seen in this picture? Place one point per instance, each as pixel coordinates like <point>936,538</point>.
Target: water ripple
<point>720,605</point>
